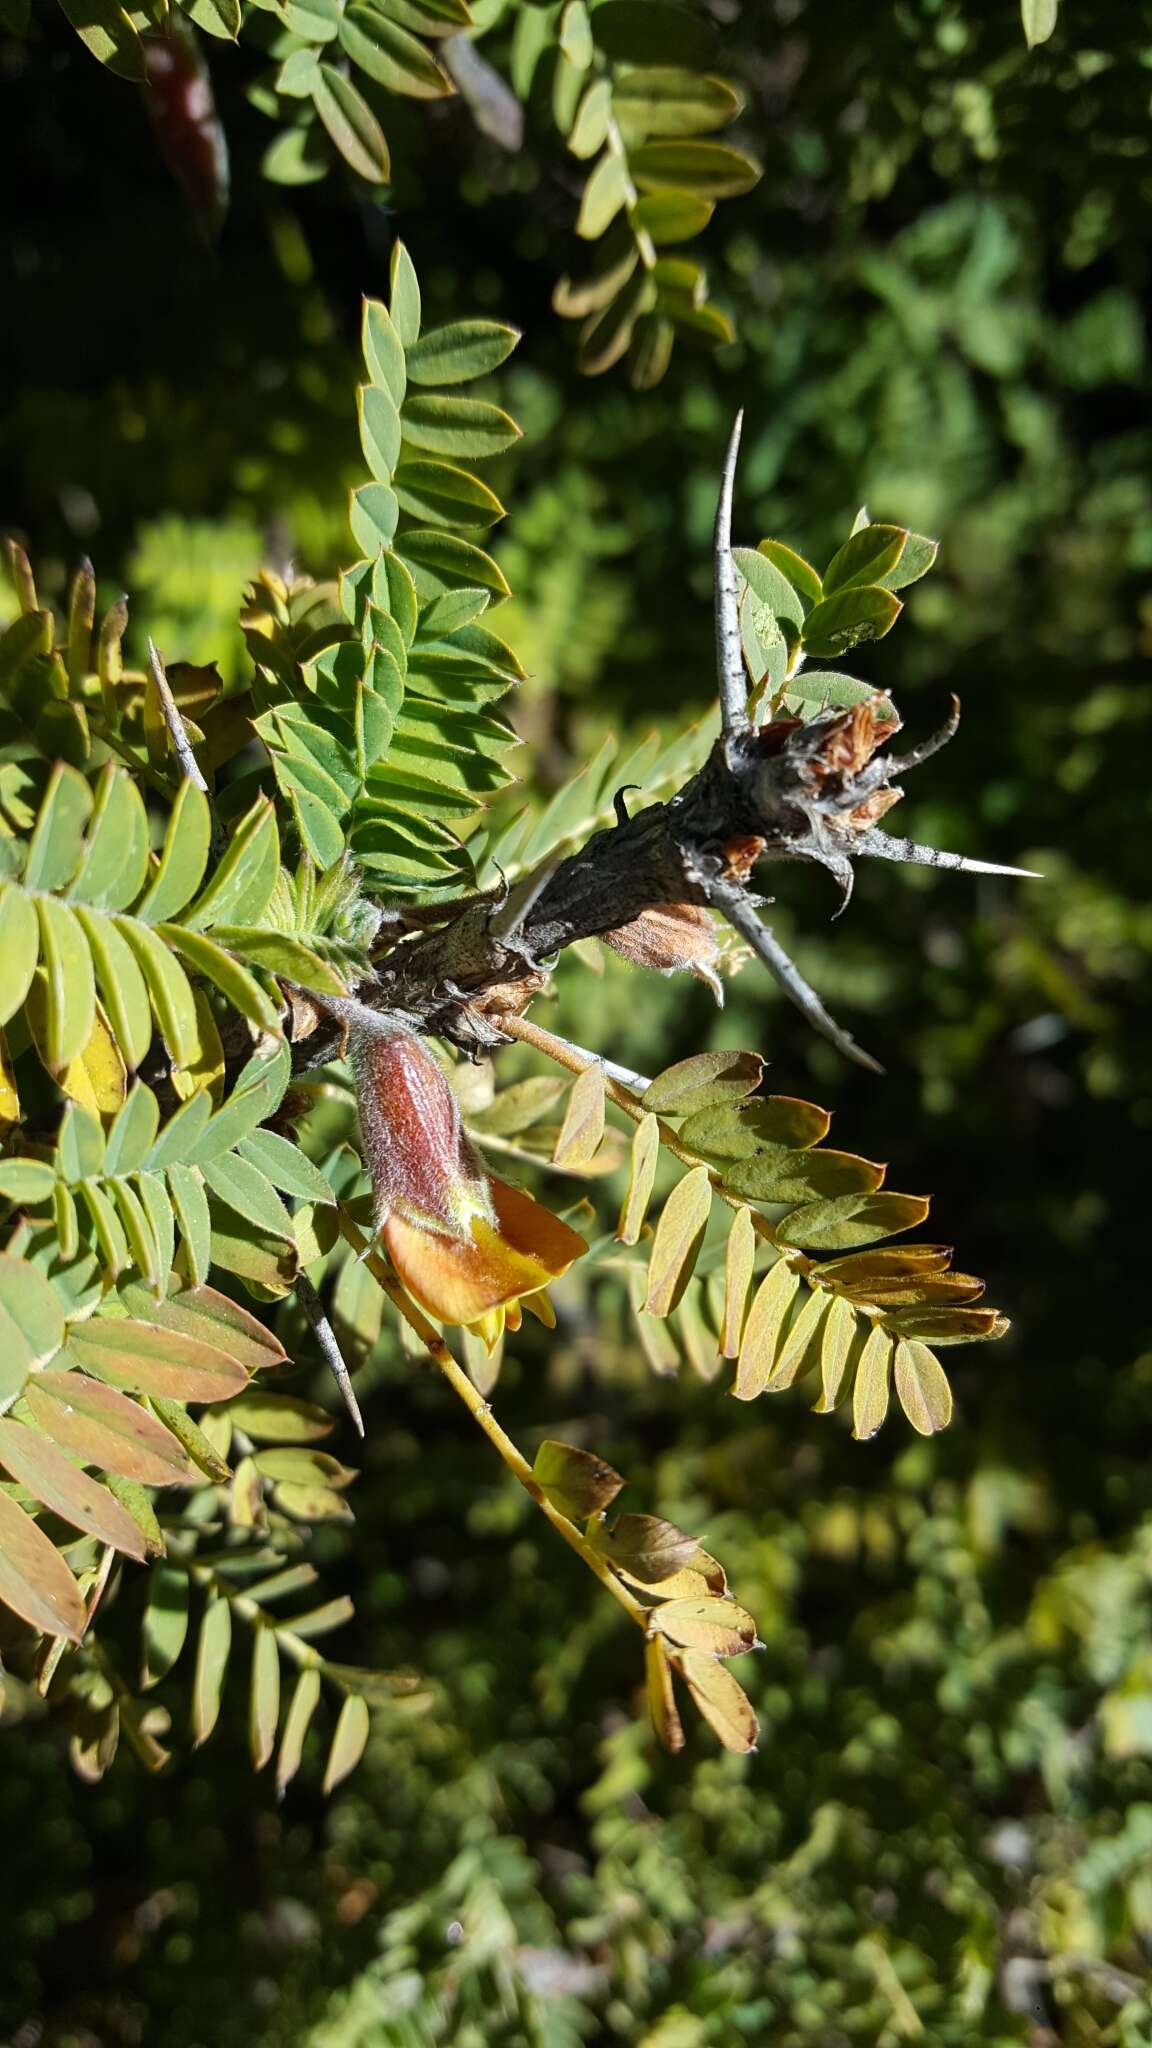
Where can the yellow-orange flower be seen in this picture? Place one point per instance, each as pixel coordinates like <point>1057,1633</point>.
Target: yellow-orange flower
<point>468,1248</point>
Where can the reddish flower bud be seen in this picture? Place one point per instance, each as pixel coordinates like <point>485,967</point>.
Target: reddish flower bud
<point>465,1246</point>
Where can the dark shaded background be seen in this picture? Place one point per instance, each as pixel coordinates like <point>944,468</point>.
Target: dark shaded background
<point>941,294</point>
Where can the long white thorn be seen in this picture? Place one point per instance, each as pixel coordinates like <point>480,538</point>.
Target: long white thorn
<point>177,733</point>
<point>730,673</point>
<point>881,846</point>
<point>731,901</point>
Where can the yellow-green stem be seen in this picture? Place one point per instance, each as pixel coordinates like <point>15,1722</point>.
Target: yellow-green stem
<point>481,1413</point>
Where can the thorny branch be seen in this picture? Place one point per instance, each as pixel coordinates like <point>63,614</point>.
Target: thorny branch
<point>793,789</point>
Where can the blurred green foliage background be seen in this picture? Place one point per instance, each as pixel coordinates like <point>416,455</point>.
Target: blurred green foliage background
<point>941,291</point>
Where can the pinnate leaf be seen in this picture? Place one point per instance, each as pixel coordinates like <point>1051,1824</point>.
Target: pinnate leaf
<point>717,1627</point>
<point>31,1322</point>
<point>462,350</point>
<point>352,125</point>
<point>851,1219</point>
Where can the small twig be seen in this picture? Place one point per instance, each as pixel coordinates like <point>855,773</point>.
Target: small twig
<point>481,1413</point>
<point>732,903</point>
<point>730,670</point>
<point>313,1308</point>
<point>627,1078</point>
<point>181,744</point>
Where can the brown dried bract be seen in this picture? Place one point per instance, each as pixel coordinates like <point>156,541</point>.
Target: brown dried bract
<point>740,857</point>
<point>671,937</point>
<point>853,739</point>
<point>510,997</point>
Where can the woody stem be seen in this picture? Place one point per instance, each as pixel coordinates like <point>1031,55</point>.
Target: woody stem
<point>481,1412</point>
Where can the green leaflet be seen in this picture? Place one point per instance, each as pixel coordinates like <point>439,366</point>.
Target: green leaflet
<point>391,55</point>
<point>352,125</point>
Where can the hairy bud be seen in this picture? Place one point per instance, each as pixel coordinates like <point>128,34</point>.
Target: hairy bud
<point>466,1247</point>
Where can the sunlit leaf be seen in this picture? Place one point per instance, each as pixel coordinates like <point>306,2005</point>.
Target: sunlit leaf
<point>212,1655</point>
<point>583,1125</point>
<point>35,1582</point>
<point>721,1700</point>
<point>104,1428</point>
<point>771,1305</point>
<point>704,1080</point>
<point>297,1721</point>
<point>352,125</point>
<point>264,1705</point>
<point>873,1379</point>
<point>922,1388</point>
<point>149,1358</point>
<point>577,1482</point>
<point>717,1627</point>
<point>349,1742</point>
<point>676,1241</point>
<point>643,1158</point>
